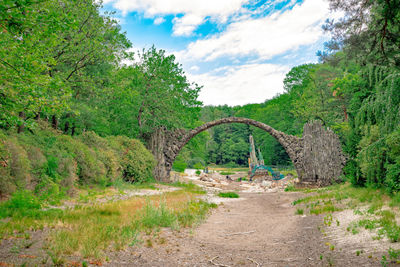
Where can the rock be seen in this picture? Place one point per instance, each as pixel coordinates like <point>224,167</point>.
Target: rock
<point>266,183</point>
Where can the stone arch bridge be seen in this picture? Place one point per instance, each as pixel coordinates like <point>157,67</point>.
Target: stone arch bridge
<point>317,156</point>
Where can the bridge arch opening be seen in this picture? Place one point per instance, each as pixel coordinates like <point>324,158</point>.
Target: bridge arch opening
<point>317,156</point>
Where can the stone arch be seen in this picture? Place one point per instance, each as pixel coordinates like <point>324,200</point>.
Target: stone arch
<point>317,156</point>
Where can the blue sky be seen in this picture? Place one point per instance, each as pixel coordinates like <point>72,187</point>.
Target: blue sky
<point>238,50</point>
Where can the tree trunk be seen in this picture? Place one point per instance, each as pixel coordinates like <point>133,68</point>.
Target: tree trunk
<point>66,125</point>
<point>21,127</point>
<point>54,122</point>
<point>73,129</point>
<point>157,145</point>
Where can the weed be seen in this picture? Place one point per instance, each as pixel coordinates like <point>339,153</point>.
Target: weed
<point>21,203</point>
<point>226,173</point>
<point>149,243</point>
<point>299,211</point>
<point>189,187</point>
<point>358,253</point>
<point>394,254</point>
<point>228,194</point>
<point>368,224</point>
<point>328,220</point>
<point>384,261</point>
<point>329,207</point>
<point>330,261</point>
<point>160,216</point>
<point>15,249</point>
<point>290,188</point>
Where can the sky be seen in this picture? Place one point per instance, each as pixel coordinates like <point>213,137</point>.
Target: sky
<point>238,50</point>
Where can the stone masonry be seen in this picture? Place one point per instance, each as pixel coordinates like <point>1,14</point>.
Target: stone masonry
<point>317,156</point>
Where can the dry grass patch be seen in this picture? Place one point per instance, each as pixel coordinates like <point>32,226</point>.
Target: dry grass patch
<point>89,231</point>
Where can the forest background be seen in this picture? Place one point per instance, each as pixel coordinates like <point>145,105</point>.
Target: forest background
<point>72,114</point>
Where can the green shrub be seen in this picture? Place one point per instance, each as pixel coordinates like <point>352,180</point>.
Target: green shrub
<point>22,202</point>
<point>228,194</point>
<point>198,172</point>
<point>6,181</point>
<point>136,161</point>
<point>104,153</point>
<point>67,169</point>
<point>226,173</point>
<point>190,187</point>
<point>198,166</point>
<point>195,211</point>
<point>37,160</point>
<point>299,211</point>
<point>152,216</point>
<point>179,166</point>
<point>19,164</point>
<point>92,140</point>
<point>52,163</point>
<point>89,168</point>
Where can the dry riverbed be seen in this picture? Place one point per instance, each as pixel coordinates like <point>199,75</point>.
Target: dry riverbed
<point>261,228</point>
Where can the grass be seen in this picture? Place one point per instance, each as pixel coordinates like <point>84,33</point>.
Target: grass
<point>228,194</point>
<point>189,187</point>
<point>226,173</point>
<point>89,231</point>
<point>299,211</point>
<point>368,203</point>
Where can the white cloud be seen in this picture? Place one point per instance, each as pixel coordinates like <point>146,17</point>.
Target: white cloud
<point>194,68</point>
<point>194,11</point>
<point>264,37</point>
<point>253,83</point>
<point>159,20</point>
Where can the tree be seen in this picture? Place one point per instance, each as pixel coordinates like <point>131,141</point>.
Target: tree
<point>369,31</point>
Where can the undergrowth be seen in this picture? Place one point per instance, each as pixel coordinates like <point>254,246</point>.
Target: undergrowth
<point>228,194</point>
<point>369,203</point>
<point>88,231</point>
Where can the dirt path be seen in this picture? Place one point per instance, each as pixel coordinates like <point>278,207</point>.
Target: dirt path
<point>254,229</point>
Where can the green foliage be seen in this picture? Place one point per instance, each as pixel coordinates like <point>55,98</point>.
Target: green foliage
<point>194,212</point>
<point>21,203</point>
<point>179,165</point>
<point>160,216</point>
<point>198,172</point>
<point>136,161</point>
<point>228,194</point>
<point>55,163</point>
<point>66,47</point>
<point>190,187</point>
<point>198,166</point>
<point>226,173</point>
<point>299,211</point>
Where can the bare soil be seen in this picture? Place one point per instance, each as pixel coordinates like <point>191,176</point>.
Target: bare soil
<point>258,229</point>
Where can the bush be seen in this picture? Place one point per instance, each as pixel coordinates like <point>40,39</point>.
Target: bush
<point>136,161</point>
<point>19,164</point>
<point>51,163</point>
<point>179,166</point>
<point>22,202</point>
<point>90,169</point>
<point>198,172</point>
<point>198,166</point>
<point>228,194</point>
<point>6,181</point>
<point>104,153</point>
